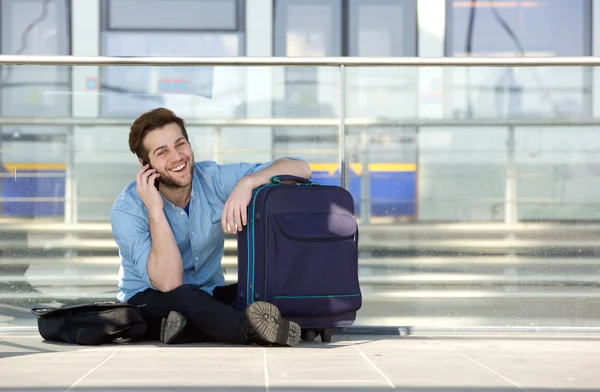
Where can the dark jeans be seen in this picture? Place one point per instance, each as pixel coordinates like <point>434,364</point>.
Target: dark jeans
<point>214,316</point>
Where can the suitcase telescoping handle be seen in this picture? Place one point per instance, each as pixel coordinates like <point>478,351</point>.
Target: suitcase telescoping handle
<point>285,178</point>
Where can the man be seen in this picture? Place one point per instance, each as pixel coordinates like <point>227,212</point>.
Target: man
<point>171,238</point>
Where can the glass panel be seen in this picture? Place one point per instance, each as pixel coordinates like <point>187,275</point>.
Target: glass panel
<point>461,223</point>
<point>519,28</point>
<point>172,14</point>
<point>471,225</point>
<point>81,174</point>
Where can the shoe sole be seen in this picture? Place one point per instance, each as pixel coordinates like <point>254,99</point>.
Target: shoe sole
<point>270,326</point>
<point>171,327</point>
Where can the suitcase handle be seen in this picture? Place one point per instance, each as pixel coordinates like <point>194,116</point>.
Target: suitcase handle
<point>300,180</point>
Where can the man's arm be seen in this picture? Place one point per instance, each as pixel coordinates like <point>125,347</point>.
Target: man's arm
<point>161,262</point>
<point>293,167</point>
<point>148,249</point>
<point>165,267</point>
<point>234,215</point>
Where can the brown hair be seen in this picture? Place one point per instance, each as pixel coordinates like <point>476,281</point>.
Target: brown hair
<point>149,121</point>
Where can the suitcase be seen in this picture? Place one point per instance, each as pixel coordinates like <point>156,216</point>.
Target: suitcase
<point>299,251</point>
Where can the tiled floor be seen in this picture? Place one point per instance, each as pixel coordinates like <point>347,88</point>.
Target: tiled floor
<point>424,363</point>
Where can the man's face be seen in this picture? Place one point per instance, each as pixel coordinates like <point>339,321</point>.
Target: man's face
<point>171,155</point>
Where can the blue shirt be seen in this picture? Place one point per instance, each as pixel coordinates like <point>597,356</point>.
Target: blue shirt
<point>199,236</point>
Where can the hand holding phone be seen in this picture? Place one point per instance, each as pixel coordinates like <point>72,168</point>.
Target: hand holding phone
<point>146,177</point>
<point>156,181</point>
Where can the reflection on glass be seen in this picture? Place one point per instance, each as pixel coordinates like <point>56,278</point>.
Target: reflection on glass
<point>131,90</point>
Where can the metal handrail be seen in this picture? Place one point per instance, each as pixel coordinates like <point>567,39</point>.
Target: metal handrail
<point>309,122</point>
<point>303,61</point>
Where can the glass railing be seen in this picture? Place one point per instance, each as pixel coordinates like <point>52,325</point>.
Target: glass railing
<point>475,181</point>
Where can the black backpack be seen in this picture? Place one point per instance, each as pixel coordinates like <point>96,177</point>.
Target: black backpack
<point>90,324</point>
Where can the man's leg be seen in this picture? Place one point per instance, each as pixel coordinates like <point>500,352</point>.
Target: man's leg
<point>155,311</point>
<point>226,294</point>
<point>261,322</point>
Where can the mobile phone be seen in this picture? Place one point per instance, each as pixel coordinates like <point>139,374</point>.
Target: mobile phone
<point>156,181</point>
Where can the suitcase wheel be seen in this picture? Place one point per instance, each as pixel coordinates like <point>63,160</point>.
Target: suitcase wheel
<point>308,334</point>
<point>326,335</point>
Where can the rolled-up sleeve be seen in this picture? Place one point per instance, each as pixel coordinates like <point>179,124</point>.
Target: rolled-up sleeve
<point>229,175</point>
<point>132,235</point>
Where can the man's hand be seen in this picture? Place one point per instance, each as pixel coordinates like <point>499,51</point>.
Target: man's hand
<point>234,212</point>
<point>146,190</point>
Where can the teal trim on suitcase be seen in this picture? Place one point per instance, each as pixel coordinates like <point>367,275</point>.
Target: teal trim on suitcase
<point>315,296</point>
<point>251,255</point>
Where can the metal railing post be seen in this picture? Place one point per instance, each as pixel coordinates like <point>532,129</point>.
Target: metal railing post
<point>510,208</point>
<point>70,179</point>
<point>218,145</point>
<point>365,180</point>
<point>342,128</point>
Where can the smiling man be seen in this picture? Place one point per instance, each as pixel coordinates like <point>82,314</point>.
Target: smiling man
<point>171,238</point>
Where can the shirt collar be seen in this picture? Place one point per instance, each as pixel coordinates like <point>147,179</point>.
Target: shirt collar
<point>195,188</point>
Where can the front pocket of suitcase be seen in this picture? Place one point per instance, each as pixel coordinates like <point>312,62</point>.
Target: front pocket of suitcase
<point>316,264</point>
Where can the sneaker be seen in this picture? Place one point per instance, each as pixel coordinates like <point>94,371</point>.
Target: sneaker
<point>265,326</point>
<point>175,329</point>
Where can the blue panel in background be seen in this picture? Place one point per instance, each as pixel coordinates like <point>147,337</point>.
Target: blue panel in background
<point>32,187</point>
<point>393,194</point>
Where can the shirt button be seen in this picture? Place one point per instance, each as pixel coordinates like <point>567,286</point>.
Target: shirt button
<point>192,233</point>
<point>181,212</point>
<point>196,258</point>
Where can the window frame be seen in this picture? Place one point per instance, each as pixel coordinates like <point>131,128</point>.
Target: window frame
<point>240,18</point>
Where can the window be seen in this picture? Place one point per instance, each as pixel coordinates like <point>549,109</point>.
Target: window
<point>177,28</point>
<point>308,28</point>
<point>173,15</point>
<point>345,28</point>
<point>35,27</point>
<point>381,28</point>
<point>519,28</point>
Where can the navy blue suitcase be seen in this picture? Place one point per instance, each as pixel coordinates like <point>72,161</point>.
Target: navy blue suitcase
<point>299,251</point>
